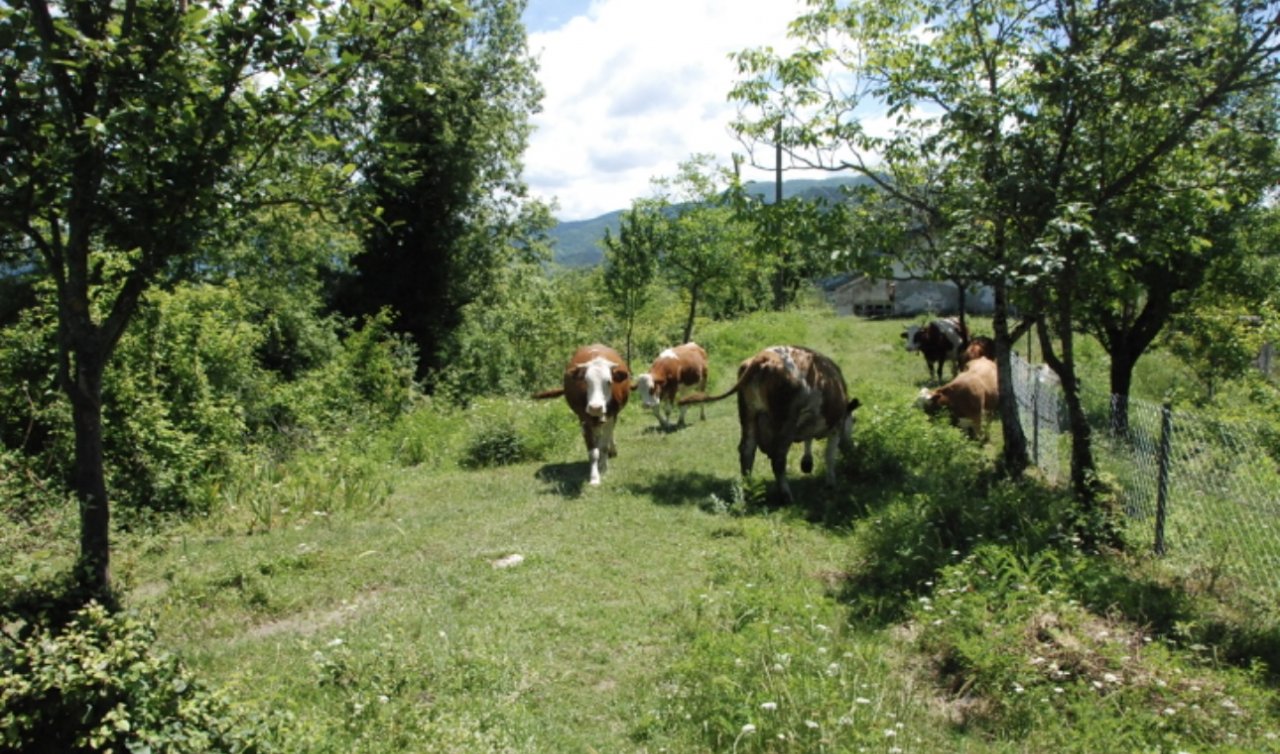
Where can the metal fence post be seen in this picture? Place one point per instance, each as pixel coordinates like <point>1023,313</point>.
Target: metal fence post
<point>1035,420</point>
<point>1162,474</point>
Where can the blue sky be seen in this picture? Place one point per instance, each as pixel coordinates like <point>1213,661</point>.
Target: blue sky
<point>634,87</point>
<point>546,15</point>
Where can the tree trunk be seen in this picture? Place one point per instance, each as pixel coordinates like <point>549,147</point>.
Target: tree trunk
<point>1014,460</point>
<point>1082,466</point>
<point>693,310</point>
<point>84,388</point>
<point>1121,382</point>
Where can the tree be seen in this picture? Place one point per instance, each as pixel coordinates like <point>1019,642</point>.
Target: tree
<point>941,162</point>
<point>449,113</point>
<point>703,234</point>
<point>631,261</point>
<point>130,130</point>
<point>1042,177</point>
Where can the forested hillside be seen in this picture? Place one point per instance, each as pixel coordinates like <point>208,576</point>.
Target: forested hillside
<point>577,243</point>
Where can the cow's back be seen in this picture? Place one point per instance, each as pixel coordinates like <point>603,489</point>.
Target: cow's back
<point>793,383</point>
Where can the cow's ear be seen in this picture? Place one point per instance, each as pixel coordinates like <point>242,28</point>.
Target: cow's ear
<point>621,375</point>
<point>903,335</point>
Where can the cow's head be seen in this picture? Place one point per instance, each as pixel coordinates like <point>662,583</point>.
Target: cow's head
<point>650,390</point>
<point>910,335</point>
<point>930,400</point>
<point>597,377</point>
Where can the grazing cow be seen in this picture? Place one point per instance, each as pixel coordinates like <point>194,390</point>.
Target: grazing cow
<point>789,394</point>
<point>597,384</point>
<point>979,347</point>
<point>675,369</point>
<point>972,396</point>
<point>940,340</point>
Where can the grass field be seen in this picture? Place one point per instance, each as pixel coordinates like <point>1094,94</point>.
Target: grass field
<point>920,607</point>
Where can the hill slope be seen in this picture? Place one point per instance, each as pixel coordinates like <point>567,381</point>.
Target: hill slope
<point>673,608</point>
<point>577,242</point>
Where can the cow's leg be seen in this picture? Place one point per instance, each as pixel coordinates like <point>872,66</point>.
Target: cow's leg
<point>607,444</point>
<point>683,409</point>
<point>778,459</point>
<point>806,460</point>
<point>843,434</point>
<point>658,412</point>
<point>747,445</point>
<point>593,451</point>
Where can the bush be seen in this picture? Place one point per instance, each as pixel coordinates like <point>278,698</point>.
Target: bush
<point>502,432</point>
<point>1023,661</point>
<point>97,684</point>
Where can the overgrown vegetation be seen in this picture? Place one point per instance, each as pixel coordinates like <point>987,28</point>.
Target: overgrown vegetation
<point>348,597</point>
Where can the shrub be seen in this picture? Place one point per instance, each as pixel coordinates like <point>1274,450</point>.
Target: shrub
<point>97,684</point>
<point>505,431</point>
<point>1021,660</point>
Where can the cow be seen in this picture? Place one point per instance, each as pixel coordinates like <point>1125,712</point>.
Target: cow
<point>971,397</point>
<point>789,394</point>
<point>675,369</point>
<point>979,346</point>
<point>940,341</point>
<point>597,384</point>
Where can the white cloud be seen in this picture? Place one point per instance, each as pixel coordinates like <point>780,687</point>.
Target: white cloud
<point>634,87</point>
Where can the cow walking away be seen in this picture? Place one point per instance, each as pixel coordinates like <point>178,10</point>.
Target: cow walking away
<point>971,397</point>
<point>597,384</point>
<point>789,394</point>
<point>676,369</point>
<point>940,341</point>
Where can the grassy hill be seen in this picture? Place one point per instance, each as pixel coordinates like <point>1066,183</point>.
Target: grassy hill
<point>922,606</point>
<point>577,242</point>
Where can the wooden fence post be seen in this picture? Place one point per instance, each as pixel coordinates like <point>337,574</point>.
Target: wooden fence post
<point>1162,474</point>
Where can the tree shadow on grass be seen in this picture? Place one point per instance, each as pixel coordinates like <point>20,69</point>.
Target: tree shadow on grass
<point>683,488</point>
<point>812,498</point>
<point>47,603</point>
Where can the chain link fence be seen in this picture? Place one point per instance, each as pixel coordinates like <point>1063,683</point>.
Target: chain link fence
<point>1203,492</point>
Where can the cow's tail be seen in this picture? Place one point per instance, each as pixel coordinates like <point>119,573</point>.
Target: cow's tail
<point>552,393</point>
<point>704,398</point>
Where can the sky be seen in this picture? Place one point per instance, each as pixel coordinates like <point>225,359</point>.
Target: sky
<point>632,89</point>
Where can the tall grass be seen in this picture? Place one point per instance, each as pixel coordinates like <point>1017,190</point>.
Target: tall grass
<point>922,605</point>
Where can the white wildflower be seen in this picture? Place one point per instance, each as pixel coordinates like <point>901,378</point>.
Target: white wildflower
<point>748,728</point>
<point>769,706</point>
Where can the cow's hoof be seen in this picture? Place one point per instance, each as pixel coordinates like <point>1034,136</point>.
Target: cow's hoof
<point>806,464</point>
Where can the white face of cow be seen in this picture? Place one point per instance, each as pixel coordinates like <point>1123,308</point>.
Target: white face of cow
<point>910,335</point>
<point>597,374</point>
<point>647,390</point>
<point>924,397</point>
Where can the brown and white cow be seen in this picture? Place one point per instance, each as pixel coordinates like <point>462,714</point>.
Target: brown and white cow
<point>676,369</point>
<point>971,397</point>
<point>597,384</point>
<point>940,341</point>
<point>789,394</point>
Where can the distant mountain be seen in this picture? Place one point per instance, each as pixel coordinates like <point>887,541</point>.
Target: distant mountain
<point>577,243</point>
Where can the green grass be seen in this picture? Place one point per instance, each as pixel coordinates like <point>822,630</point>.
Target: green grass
<point>674,608</point>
